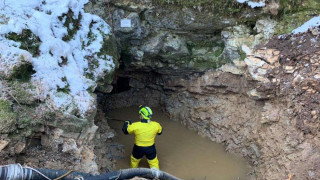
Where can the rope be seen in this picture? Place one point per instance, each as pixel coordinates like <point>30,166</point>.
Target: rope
<point>114,119</point>
<point>117,178</point>
<point>22,171</point>
<point>37,172</point>
<point>64,175</point>
<point>110,17</point>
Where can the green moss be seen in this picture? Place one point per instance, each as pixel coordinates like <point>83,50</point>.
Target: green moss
<point>205,43</point>
<point>107,79</point>
<point>72,25</point>
<point>109,47</point>
<point>92,37</point>
<point>64,61</point>
<point>182,2</point>
<point>242,54</point>
<point>293,6</point>
<point>24,122</point>
<point>28,121</point>
<point>7,118</point>
<point>207,60</point>
<point>201,62</point>
<point>293,13</point>
<point>28,40</point>
<point>49,116</point>
<point>89,75</point>
<point>25,117</point>
<point>68,123</point>
<point>20,91</point>
<point>290,22</point>
<point>65,89</point>
<point>202,44</point>
<point>226,6</point>
<point>213,63</point>
<point>22,73</point>
<point>95,63</point>
<point>218,51</point>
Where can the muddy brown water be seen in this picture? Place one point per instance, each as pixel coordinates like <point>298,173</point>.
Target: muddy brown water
<point>181,152</point>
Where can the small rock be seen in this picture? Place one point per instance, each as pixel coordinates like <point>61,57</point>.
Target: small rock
<point>254,94</point>
<point>19,147</point>
<point>313,112</point>
<point>57,133</point>
<point>3,144</point>
<point>274,80</point>
<point>70,146</point>
<point>289,69</point>
<point>232,69</point>
<point>309,90</point>
<point>240,64</point>
<point>297,80</point>
<point>315,32</point>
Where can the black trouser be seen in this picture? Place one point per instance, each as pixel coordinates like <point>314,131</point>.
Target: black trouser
<point>150,152</point>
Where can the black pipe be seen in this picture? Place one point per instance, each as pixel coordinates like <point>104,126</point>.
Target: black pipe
<point>52,174</point>
<point>17,172</point>
<point>140,172</point>
<point>115,175</point>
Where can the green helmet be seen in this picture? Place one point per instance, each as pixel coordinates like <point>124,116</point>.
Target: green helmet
<point>145,112</point>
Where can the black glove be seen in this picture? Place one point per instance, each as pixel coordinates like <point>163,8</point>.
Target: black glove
<point>128,121</point>
<point>125,126</point>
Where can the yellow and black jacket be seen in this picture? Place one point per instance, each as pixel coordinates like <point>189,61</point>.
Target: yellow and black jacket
<point>144,131</point>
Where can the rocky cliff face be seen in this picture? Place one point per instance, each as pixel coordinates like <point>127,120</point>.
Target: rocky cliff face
<point>51,62</point>
<point>223,70</point>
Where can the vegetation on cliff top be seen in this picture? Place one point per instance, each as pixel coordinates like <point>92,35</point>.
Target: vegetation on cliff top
<point>7,117</point>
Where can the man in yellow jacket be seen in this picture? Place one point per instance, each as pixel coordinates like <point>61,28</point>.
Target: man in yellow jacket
<point>145,132</point>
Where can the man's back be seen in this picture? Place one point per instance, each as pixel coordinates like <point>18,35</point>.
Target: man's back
<point>145,132</point>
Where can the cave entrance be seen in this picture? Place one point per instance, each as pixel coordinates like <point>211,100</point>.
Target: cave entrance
<point>122,84</point>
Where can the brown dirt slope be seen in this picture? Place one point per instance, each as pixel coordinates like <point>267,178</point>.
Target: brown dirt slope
<point>299,76</point>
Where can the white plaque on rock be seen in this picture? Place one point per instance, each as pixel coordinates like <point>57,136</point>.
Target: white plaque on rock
<point>125,23</point>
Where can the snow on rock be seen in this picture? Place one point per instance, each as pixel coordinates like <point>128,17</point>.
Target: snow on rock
<point>12,58</point>
<point>313,22</point>
<point>70,42</point>
<point>252,4</point>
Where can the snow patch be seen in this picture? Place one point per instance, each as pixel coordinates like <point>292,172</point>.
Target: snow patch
<point>313,22</point>
<point>60,64</point>
<point>252,4</point>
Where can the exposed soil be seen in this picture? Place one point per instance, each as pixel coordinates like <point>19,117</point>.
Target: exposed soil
<point>299,76</point>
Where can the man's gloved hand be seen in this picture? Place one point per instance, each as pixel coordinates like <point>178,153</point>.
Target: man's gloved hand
<point>128,121</point>
<point>125,126</point>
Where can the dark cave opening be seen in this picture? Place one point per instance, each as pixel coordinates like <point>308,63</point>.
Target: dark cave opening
<point>122,84</point>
